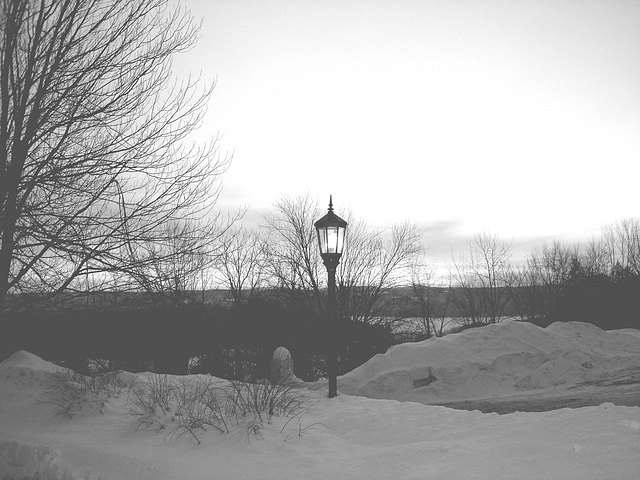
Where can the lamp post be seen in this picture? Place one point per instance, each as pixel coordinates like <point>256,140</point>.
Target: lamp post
<point>331,232</point>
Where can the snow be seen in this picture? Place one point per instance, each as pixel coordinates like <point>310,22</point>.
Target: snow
<point>502,359</point>
<point>27,362</point>
<point>365,432</point>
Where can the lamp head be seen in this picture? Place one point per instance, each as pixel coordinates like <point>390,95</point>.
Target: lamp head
<point>331,231</point>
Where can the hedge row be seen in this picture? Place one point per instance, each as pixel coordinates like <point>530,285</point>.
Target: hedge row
<point>165,340</point>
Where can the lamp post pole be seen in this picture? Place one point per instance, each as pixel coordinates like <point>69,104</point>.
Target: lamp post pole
<point>332,354</point>
<point>331,234</point>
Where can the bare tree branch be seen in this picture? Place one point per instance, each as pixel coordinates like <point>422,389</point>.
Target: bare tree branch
<point>93,131</point>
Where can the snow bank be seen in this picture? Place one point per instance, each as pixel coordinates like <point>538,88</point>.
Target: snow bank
<point>502,359</point>
<point>22,360</point>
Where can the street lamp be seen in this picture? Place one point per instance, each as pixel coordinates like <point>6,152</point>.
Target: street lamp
<point>331,232</point>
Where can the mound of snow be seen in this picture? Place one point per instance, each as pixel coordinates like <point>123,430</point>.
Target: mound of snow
<point>22,360</point>
<point>502,359</point>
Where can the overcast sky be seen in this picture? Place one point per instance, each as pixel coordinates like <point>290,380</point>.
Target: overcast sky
<point>519,118</point>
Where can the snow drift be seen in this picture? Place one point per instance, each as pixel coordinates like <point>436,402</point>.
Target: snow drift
<point>352,436</point>
<point>496,360</point>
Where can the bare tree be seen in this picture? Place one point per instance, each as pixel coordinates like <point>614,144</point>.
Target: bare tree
<point>294,259</point>
<point>371,269</point>
<point>547,273</point>
<point>175,265</point>
<point>91,136</point>
<point>433,298</point>
<point>484,280</point>
<point>622,240</point>
<point>598,256</point>
<point>242,264</point>
<point>526,293</point>
<point>371,265</point>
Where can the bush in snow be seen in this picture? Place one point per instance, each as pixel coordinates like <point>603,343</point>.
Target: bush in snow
<point>264,399</point>
<point>178,405</point>
<point>181,405</point>
<point>72,392</point>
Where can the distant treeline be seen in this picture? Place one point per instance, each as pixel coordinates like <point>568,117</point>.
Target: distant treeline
<point>608,300</point>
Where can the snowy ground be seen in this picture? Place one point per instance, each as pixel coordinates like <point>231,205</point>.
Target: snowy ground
<point>353,436</point>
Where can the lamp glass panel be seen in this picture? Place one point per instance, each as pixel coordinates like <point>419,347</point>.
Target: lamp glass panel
<point>341,233</point>
<point>322,240</point>
<point>332,239</point>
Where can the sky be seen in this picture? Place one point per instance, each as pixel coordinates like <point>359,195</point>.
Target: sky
<point>517,118</point>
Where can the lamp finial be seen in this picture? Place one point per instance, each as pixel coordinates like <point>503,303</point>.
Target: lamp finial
<point>331,203</point>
